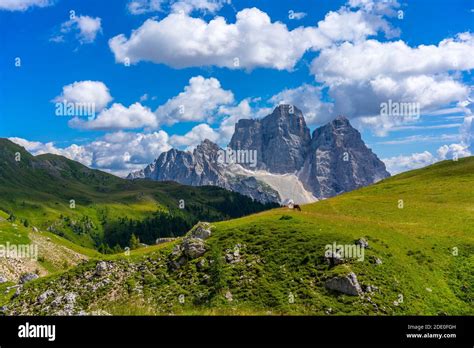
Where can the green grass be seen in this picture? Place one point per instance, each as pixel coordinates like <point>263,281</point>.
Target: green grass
<point>40,189</point>
<point>417,244</point>
<point>426,249</point>
<point>13,233</point>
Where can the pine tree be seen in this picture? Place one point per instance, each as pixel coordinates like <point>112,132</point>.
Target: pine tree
<point>134,242</point>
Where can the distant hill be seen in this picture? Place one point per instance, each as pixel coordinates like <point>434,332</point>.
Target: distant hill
<point>416,230</point>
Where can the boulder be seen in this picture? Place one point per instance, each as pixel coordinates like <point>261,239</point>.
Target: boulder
<point>35,229</point>
<point>202,230</point>
<point>346,284</point>
<point>193,247</point>
<point>176,264</point>
<point>27,277</point>
<point>3,279</point>
<point>229,257</point>
<point>176,250</point>
<point>101,268</point>
<point>362,242</point>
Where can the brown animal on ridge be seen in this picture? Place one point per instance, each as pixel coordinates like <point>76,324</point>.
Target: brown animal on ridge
<point>297,207</point>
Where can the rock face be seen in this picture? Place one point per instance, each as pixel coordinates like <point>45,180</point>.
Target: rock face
<point>281,139</point>
<point>334,160</point>
<point>339,161</point>
<point>347,285</point>
<point>198,168</point>
<point>204,167</point>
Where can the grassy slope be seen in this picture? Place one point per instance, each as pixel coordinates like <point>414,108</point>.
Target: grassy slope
<point>55,254</point>
<point>282,258</point>
<point>416,243</point>
<point>40,188</point>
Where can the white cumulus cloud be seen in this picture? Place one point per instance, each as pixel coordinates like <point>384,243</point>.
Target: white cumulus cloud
<point>360,76</point>
<point>194,137</point>
<point>118,117</point>
<point>252,41</point>
<point>23,5</point>
<point>90,92</point>
<point>308,99</point>
<point>85,27</point>
<point>118,153</point>
<point>188,6</point>
<point>364,61</point>
<point>453,151</point>
<point>138,7</point>
<point>198,102</point>
<point>404,163</point>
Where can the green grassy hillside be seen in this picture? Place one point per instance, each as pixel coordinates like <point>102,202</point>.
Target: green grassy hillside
<point>420,230</point>
<point>95,209</point>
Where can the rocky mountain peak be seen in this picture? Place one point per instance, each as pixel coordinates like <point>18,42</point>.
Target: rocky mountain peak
<point>280,139</point>
<point>207,146</point>
<point>339,161</point>
<point>338,132</point>
<point>333,160</point>
<point>203,167</point>
<point>287,120</point>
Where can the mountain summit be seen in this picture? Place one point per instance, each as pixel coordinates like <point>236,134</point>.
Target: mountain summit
<point>281,139</point>
<point>289,162</point>
<point>339,161</point>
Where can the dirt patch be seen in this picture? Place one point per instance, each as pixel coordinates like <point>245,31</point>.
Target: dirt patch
<point>57,256</point>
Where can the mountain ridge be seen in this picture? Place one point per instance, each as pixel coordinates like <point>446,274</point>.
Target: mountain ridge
<point>324,164</point>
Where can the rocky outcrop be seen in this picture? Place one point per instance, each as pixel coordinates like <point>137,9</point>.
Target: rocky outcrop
<point>202,230</point>
<point>101,268</point>
<point>28,277</point>
<point>346,284</point>
<point>192,246</point>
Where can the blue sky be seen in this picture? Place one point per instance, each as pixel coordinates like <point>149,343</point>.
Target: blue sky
<point>325,56</point>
